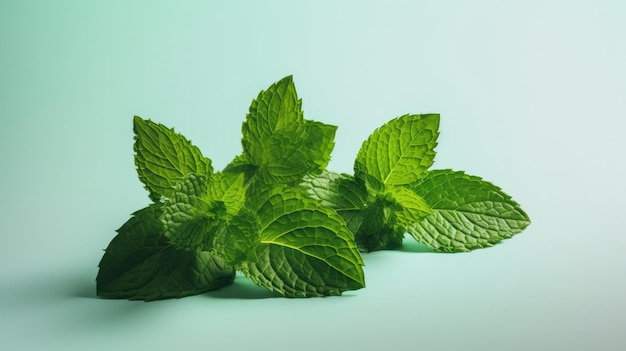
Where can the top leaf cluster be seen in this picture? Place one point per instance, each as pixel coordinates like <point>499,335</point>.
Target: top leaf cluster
<point>277,215</point>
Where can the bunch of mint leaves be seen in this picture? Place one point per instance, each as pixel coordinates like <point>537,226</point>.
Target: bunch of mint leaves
<point>277,215</point>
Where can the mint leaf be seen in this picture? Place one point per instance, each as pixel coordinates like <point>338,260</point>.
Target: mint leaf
<point>467,213</point>
<point>387,217</point>
<point>279,145</point>
<point>236,241</point>
<point>188,219</point>
<point>399,152</point>
<point>164,157</point>
<point>305,248</point>
<point>272,130</point>
<point>405,206</point>
<point>275,110</point>
<point>341,192</point>
<point>200,208</point>
<point>376,231</point>
<point>227,190</point>
<point>140,264</point>
<point>319,144</point>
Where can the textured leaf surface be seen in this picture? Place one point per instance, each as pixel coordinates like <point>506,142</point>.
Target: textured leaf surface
<point>140,264</point>
<point>399,152</point>
<point>201,208</point>
<point>468,212</point>
<point>341,192</point>
<point>188,219</point>
<point>229,190</point>
<point>319,144</point>
<point>240,164</point>
<point>279,145</point>
<point>275,110</point>
<point>164,157</point>
<point>305,249</point>
<point>236,240</point>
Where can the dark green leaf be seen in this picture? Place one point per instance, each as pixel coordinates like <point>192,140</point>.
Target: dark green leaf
<point>376,232</point>
<point>140,264</point>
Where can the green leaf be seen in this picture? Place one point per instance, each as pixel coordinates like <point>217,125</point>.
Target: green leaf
<point>305,248</point>
<point>399,152</point>
<point>188,219</point>
<point>236,241</point>
<point>200,208</point>
<point>387,218</point>
<point>319,144</point>
<point>209,216</point>
<point>227,189</point>
<point>140,264</point>
<point>376,233</point>
<point>275,110</point>
<point>279,145</point>
<point>272,130</point>
<point>341,192</point>
<point>164,157</point>
<point>468,213</point>
<point>405,206</point>
<point>240,164</point>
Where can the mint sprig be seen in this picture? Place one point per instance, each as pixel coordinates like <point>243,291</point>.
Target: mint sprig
<point>205,225</point>
<point>277,215</point>
<point>393,193</point>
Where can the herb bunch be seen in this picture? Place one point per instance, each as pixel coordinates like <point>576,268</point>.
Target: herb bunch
<point>277,215</point>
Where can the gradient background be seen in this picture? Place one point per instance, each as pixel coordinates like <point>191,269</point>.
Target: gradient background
<point>532,97</point>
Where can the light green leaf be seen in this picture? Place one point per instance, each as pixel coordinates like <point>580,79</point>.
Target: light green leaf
<point>406,207</point>
<point>227,189</point>
<point>399,152</point>
<point>275,110</point>
<point>305,248</point>
<point>164,157</point>
<point>279,145</point>
<point>140,264</point>
<point>468,213</point>
<point>341,192</point>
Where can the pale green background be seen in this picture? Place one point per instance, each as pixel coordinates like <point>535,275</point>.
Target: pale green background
<point>532,97</point>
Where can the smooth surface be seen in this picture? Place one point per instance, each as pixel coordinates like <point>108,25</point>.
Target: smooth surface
<point>531,96</point>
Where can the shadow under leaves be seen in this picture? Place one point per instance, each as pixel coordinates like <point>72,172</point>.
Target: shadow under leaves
<point>410,245</point>
<point>242,288</point>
